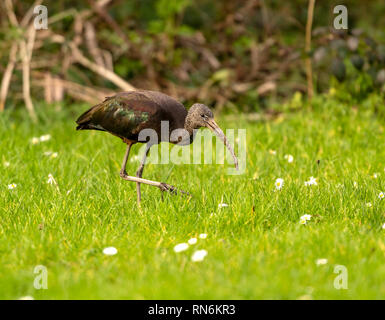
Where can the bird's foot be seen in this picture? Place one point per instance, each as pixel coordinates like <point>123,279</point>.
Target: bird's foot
<point>167,187</point>
<point>123,173</point>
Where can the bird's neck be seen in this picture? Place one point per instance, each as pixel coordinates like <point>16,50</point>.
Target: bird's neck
<point>189,127</point>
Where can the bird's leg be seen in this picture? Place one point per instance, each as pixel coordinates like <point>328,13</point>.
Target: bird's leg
<point>161,185</point>
<point>140,171</point>
<point>123,170</point>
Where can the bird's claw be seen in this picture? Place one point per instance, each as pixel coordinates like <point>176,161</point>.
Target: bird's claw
<point>167,187</point>
<point>123,173</point>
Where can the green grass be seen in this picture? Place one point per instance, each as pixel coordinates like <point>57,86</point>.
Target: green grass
<point>257,248</point>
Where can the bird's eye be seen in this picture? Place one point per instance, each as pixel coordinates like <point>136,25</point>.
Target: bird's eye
<point>202,115</point>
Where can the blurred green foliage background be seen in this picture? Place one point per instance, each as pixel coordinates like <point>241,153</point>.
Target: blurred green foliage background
<point>233,55</point>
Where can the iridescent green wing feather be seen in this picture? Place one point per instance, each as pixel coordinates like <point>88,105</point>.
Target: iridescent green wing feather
<point>123,115</point>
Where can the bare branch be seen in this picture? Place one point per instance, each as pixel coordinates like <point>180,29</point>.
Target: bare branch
<point>92,43</point>
<point>309,71</point>
<point>105,73</point>
<point>76,90</point>
<point>25,57</point>
<point>11,13</point>
<point>98,8</point>
<point>27,17</point>
<point>7,75</point>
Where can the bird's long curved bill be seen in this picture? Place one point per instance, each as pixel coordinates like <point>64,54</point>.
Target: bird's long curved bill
<point>212,125</point>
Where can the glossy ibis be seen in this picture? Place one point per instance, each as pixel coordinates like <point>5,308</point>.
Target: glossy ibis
<point>127,113</point>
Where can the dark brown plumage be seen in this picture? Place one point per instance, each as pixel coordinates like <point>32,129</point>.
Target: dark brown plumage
<point>126,114</point>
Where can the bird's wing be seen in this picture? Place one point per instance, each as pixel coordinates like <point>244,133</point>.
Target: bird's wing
<point>124,114</point>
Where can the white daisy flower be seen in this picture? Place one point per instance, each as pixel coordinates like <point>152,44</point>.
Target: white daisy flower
<point>272,152</point>
<point>312,181</point>
<point>45,137</point>
<point>381,195</point>
<point>134,158</point>
<point>6,164</point>
<point>223,205</point>
<point>383,226</point>
<point>110,251</point>
<point>321,262</point>
<point>27,298</point>
<point>355,184</point>
<point>12,186</point>
<point>181,247</point>
<point>51,154</point>
<point>305,297</point>
<point>289,158</point>
<point>51,179</point>
<point>193,241</point>
<point>35,140</point>
<point>279,184</point>
<point>305,218</point>
<point>199,255</point>
<point>375,175</point>
<point>203,236</point>
<point>369,204</point>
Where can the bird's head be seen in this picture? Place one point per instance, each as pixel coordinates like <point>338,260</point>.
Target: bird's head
<point>199,115</point>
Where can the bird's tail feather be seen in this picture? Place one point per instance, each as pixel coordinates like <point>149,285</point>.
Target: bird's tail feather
<point>84,121</point>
